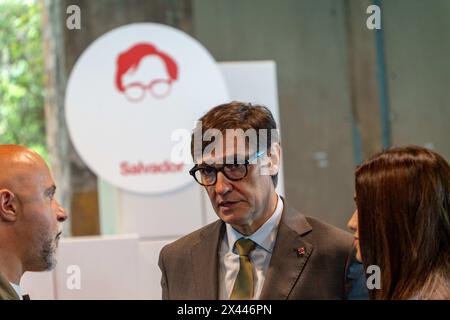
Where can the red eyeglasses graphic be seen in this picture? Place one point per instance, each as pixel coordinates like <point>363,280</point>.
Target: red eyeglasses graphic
<point>159,89</point>
<point>130,60</point>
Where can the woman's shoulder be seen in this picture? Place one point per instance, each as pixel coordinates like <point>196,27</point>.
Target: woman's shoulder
<point>437,287</point>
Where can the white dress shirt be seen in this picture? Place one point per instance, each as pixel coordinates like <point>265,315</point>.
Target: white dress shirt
<point>17,290</point>
<point>264,238</point>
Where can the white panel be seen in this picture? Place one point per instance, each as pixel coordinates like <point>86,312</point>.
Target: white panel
<point>38,285</point>
<point>149,272</point>
<point>253,81</point>
<point>168,215</point>
<point>108,267</point>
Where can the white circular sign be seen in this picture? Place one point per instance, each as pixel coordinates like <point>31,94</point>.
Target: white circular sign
<point>126,95</point>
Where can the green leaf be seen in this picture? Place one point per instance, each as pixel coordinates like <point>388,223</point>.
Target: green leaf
<point>22,118</point>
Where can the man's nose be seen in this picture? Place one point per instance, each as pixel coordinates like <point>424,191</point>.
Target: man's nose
<point>61,214</point>
<point>223,185</point>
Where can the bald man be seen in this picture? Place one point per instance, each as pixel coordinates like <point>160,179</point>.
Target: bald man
<point>30,218</point>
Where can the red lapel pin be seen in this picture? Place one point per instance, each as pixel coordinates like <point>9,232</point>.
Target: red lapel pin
<point>301,251</point>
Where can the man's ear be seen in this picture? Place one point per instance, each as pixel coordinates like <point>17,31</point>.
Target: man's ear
<point>8,206</point>
<point>275,159</point>
<point>271,166</point>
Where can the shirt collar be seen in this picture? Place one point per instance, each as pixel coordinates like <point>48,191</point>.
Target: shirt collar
<point>264,236</point>
<point>17,289</point>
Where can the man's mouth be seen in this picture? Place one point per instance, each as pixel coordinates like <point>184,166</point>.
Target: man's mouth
<point>227,204</point>
<point>58,236</point>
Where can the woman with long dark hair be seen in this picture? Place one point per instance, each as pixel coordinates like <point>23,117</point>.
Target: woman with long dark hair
<point>402,222</point>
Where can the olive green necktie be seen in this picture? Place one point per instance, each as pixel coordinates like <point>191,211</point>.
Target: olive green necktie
<point>243,286</point>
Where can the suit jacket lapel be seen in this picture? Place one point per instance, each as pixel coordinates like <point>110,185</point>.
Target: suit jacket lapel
<point>6,291</point>
<point>205,261</point>
<point>290,254</point>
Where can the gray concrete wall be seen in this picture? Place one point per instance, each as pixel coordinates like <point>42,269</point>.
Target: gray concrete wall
<point>309,40</point>
<point>417,42</point>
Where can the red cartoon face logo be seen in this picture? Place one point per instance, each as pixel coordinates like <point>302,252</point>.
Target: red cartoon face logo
<point>143,68</point>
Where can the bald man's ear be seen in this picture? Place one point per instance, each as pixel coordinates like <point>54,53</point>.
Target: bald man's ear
<point>8,206</point>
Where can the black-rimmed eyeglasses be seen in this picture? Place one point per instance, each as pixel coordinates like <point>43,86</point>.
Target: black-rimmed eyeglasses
<point>207,175</point>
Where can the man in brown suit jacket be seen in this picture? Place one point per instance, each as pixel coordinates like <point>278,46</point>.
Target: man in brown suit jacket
<point>190,265</point>
<point>30,217</point>
<point>260,248</point>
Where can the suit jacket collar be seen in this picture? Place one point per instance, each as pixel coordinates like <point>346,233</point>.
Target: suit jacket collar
<point>6,291</point>
<point>205,261</point>
<point>290,254</point>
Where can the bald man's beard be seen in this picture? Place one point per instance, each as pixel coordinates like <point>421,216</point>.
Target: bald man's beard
<point>44,257</point>
<point>48,254</point>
